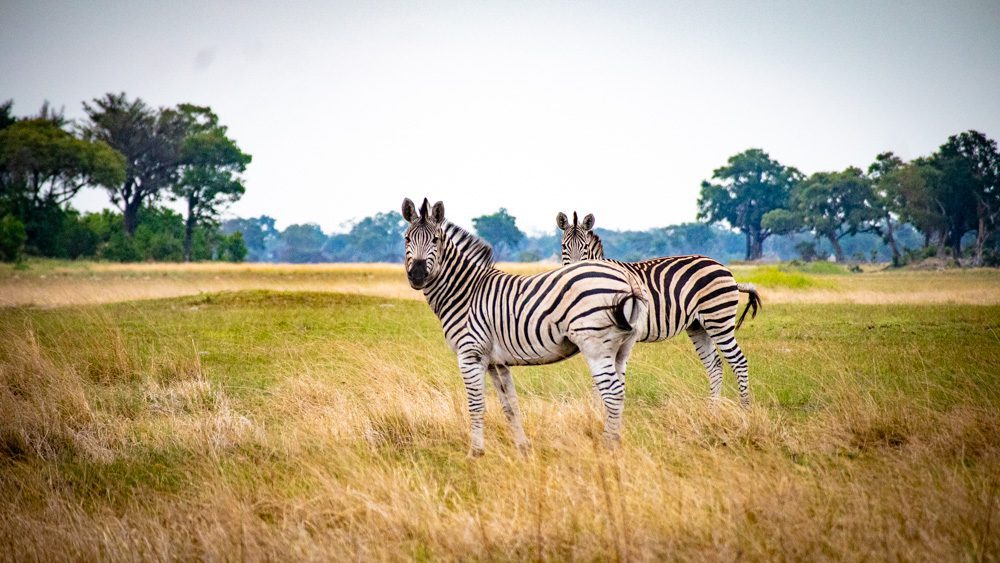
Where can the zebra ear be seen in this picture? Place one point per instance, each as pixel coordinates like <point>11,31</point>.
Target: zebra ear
<point>409,210</point>
<point>588,222</point>
<point>437,213</point>
<point>562,221</point>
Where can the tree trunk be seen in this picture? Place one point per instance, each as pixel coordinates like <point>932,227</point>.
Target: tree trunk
<point>757,248</point>
<point>749,253</point>
<point>838,252</point>
<point>980,240</point>
<point>956,243</point>
<point>130,215</point>
<point>189,231</point>
<point>891,240</point>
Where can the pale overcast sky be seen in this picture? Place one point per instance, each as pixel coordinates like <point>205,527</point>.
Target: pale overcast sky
<point>617,108</point>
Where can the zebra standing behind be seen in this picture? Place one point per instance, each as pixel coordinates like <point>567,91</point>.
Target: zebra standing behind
<point>692,293</point>
<point>493,319</point>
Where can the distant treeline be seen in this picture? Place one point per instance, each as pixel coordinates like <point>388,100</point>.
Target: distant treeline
<point>379,239</point>
<point>946,204</point>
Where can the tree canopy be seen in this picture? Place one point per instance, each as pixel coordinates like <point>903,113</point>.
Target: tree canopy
<point>831,205</point>
<point>747,187</point>
<point>500,230</point>
<point>151,142</point>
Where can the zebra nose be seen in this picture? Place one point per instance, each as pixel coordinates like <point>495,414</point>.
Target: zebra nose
<point>418,271</point>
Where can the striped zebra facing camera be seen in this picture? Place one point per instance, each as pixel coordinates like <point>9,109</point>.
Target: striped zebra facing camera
<point>691,293</point>
<point>493,320</point>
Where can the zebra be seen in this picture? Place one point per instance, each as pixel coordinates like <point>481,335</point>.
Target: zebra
<point>493,320</point>
<point>692,293</point>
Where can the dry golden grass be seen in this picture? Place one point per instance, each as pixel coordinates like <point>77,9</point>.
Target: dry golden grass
<point>286,426</point>
<point>60,284</point>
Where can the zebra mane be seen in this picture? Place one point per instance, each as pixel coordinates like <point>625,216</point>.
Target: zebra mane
<point>470,246</point>
<point>595,243</point>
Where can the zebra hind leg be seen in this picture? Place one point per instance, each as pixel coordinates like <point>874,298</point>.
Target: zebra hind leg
<point>504,384</point>
<point>725,338</point>
<point>602,357</point>
<point>709,356</point>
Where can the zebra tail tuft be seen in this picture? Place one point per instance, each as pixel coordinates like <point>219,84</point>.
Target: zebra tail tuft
<point>753,301</point>
<point>626,312</point>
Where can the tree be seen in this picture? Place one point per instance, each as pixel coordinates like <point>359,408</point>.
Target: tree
<point>211,162</point>
<point>500,230</point>
<point>750,185</point>
<point>151,142</point>
<point>830,204</point>
<point>373,239</point>
<point>889,202</point>
<point>302,243</point>
<point>970,183</point>
<point>917,183</point>
<point>42,166</point>
<point>44,163</point>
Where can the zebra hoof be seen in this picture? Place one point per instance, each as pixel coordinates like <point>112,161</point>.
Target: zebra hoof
<point>476,452</point>
<point>612,441</point>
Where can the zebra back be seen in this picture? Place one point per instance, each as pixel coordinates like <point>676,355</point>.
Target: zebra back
<point>519,320</point>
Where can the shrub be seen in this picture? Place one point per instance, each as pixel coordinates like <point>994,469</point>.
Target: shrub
<point>12,238</point>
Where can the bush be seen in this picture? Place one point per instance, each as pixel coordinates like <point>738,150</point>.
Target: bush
<point>12,239</point>
<point>232,248</point>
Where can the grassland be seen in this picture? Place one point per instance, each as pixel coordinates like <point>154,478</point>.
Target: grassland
<point>244,412</point>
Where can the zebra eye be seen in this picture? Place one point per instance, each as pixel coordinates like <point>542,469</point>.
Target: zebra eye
<point>435,239</point>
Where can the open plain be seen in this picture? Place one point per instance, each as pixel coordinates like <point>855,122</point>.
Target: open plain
<point>315,412</point>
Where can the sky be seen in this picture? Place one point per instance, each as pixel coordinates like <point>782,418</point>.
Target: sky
<point>619,109</point>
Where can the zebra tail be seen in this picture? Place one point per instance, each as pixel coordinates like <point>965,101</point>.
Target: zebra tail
<point>753,301</point>
<point>626,312</point>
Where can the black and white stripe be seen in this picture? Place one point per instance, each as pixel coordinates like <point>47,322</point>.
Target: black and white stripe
<point>691,293</point>
<point>493,319</point>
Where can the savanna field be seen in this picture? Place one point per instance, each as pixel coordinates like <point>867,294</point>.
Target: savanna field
<point>261,412</point>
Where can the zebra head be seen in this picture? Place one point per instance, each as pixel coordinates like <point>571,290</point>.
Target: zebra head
<point>422,238</point>
<point>578,238</point>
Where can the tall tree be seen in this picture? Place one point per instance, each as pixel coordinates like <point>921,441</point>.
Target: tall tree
<point>750,185</point>
<point>918,183</point>
<point>889,202</point>
<point>835,204</point>
<point>211,164</point>
<point>500,230</point>
<point>151,142</point>
<point>970,166</point>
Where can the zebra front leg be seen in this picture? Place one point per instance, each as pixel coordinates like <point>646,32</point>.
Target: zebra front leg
<point>504,384</point>
<point>474,376</point>
<point>709,357</point>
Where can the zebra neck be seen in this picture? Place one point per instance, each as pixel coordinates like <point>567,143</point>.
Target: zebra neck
<point>465,260</point>
<point>449,295</point>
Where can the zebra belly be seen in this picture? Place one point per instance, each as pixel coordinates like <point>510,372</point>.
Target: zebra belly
<point>539,355</point>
